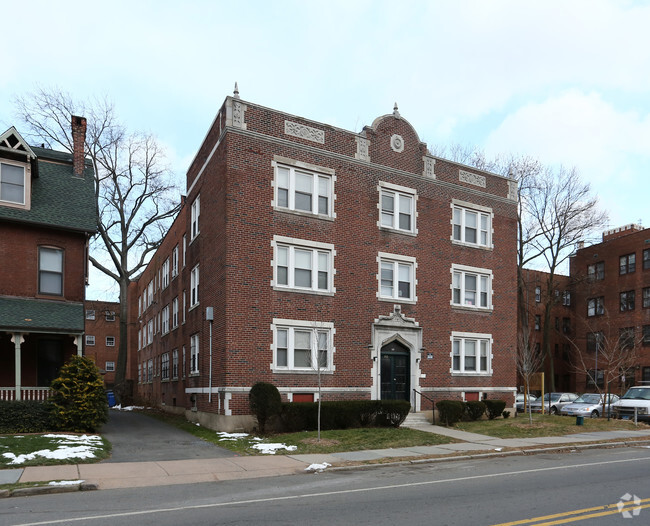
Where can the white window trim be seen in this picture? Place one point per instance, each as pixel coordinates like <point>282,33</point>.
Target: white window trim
<point>90,340</point>
<point>165,274</point>
<point>109,368</point>
<point>470,336</point>
<point>164,325</point>
<point>27,185</point>
<point>397,258</point>
<point>399,190</point>
<point>479,272</point>
<point>90,314</point>
<point>110,344</point>
<point>195,217</point>
<point>307,245</point>
<point>175,313</point>
<point>314,169</point>
<point>455,203</point>
<point>174,262</point>
<point>194,350</point>
<point>194,284</point>
<point>280,323</point>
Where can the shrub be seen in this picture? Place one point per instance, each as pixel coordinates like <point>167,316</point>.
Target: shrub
<point>302,416</point>
<point>450,411</point>
<point>79,401</point>
<point>25,417</point>
<point>475,409</point>
<point>265,401</point>
<point>495,408</point>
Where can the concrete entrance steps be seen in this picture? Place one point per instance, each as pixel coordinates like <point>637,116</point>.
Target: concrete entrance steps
<point>416,419</point>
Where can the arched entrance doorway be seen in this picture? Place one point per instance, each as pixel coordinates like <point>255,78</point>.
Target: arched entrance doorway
<point>395,372</point>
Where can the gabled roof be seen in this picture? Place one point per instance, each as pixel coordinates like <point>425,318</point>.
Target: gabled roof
<point>31,315</point>
<point>58,198</point>
<point>12,141</point>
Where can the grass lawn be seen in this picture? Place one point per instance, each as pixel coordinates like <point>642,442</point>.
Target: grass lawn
<point>307,441</point>
<point>543,426</point>
<point>47,449</point>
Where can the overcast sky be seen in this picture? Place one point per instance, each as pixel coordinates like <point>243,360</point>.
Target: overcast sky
<point>567,82</point>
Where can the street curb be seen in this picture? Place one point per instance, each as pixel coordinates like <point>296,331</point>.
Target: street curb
<point>47,490</point>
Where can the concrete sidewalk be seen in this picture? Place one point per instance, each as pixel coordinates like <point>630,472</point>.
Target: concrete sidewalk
<point>108,475</point>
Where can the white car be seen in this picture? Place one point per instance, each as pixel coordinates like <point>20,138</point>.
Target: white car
<point>638,398</point>
<point>588,404</point>
<point>553,402</point>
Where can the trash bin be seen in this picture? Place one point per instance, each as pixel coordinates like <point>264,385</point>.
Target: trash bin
<point>111,398</point>
<point>580,420</point>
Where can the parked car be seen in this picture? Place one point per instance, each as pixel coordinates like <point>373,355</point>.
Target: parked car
<point>636,397</point>
<point>553,402</point>
<point>519,401</point>
<point>588,404</point>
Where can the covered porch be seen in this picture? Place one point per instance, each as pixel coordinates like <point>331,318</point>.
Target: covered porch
<point>36,338</point>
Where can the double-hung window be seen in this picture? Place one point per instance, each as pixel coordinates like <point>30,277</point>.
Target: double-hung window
<point>109,315</point>
<point>150,293</point>
<point>471,353</point>
<point>165,320</point>
<point>397,207</point>
<point>165,274</point>
<point>194,287</point>
<point>538,294</point>
<point>12,184</point>
<point>627,264</point>
<point>110,341</point>
<point>626,338</point>
<point>471,287</point>
<point>175,312</point>
<point>194,354</point>
<point>175,262</point>
<point>175,363</point>
<point>50,271</point>
<point>150,370</point>
<point>164,366</point>
<point>149,332</point>
<point>90,340</point>
<point>90,314</point>
<point>471,226</point>
<point>627,300</point>
<point>303,266</point>
<point>195,214</point>
<point>596,272</point>
<point>646,259</point>
<point>646,298</point>
<point>110,367</point>
<point>302,345</point>
<point>595,341</point>
<point>301,187</point>
<point>397,277</point>
<point>596,306</point>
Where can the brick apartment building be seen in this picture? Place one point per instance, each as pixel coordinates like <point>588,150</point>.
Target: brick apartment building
<point>612,305</point>
<point>102,338</point>
<point>562,325</point>
<point>47,214</point>
<point>302,247</point>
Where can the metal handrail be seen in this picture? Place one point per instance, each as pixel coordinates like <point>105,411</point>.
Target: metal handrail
<point>433,404</point>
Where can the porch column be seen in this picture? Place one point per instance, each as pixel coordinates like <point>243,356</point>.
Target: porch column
<point>77,342</point>
<point>18,338</point>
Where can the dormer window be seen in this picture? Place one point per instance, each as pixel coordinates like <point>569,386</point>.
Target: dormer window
<point>12,183</point>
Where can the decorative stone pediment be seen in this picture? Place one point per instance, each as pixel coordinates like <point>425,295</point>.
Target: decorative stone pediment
<point>396,319</point>
<point>302,131</point>
<point>471,178</point>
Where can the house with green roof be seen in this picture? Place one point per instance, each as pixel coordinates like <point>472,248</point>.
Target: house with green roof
<point>48,213</point>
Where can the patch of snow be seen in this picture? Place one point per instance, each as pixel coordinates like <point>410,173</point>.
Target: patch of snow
<point>498,448</point>
<point>257,439</point>
<point>231,436</point>
<point>197,424</point>
<point>63,452</point>
<point>318,467</point>
<point>65,482</point>
<point>127,408</point>
<point>271,449</point>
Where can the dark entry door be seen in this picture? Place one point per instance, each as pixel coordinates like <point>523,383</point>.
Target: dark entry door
<point>50,360</point>
<point>395,372</point>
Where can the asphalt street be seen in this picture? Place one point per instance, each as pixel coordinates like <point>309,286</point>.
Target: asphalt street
<point>571,488</point>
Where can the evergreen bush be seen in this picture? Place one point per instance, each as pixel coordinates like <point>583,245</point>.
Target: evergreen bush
<point>450,411</point>
<point>79,401</point>
<point>475,409</point>
<point>495,408</point>
<point>25,416</point>
<point>265,402</point>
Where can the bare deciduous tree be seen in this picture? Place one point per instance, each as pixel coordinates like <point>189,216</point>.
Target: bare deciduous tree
<point>135,191</point>
<point>529,360</point>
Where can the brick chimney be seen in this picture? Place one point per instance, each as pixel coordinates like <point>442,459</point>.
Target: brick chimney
<point>78,143</point>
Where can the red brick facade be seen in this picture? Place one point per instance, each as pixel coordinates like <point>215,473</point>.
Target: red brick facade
<point>102,338</point>
<point>612,294</point>
<point>316,241</point>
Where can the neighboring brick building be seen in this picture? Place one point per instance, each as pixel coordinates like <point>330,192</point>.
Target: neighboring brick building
<point>562,325</point>
<point>612,303</point>
<point>47,214</point>
<point>102,339</point>
<point>305,243</point>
